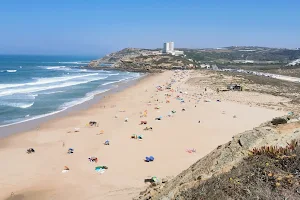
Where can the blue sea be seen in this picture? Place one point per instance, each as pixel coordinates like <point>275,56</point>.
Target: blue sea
<point>36,86</point>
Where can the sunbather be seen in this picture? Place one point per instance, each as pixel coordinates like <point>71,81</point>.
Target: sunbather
<point>93,123</point>
<point>93,159</point>
<point>147,128</point>
<point>106,142</point>
<point>134,136</point>
<point>30,150</point>
<point>158,118</point>
<point>70,151</point>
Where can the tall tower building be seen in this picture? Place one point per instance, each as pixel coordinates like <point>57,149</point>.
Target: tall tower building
<point>166,47</point>
<point>171,46</point>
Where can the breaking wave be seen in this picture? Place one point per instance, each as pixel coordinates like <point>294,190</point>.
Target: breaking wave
<point>11,70</point>
<point>41,81</point>
<point>47,87</point>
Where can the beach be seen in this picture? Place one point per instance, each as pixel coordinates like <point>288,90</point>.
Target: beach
<point>194,120</point>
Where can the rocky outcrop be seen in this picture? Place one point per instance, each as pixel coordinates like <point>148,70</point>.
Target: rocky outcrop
<point>225,157</point>
<point>141,60</point>
<point>115,57</point>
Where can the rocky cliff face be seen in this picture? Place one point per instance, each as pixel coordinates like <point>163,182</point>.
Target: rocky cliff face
<point>116,56</point>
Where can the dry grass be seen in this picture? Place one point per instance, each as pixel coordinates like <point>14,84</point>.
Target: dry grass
<point>268,173</point>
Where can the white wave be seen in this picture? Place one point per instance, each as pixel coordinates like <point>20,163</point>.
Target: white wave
<point>66,106</point>
<point>27,100</point>
<point>17,105</point>
<point>113,74</point>
<point>56,67</point>
<point>76,62</point>
<point>108,83</point>
<point>41,81</point>
<point>11,70</point>
<point>88,96</point>
<point>37,89</point>
<point>54,92</point>
<point>64,68</point>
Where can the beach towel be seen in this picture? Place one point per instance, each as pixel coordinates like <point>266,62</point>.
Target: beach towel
<point>101,171</point>
<point>191,150</point>
<point>100,167</point>
<point>149,159</point>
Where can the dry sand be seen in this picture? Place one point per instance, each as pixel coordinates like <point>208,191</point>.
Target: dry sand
<point>39,175</point>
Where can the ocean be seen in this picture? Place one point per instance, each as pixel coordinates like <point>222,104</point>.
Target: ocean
<point>35,86</point>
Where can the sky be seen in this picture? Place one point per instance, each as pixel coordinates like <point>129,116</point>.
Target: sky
<point>96,27</point>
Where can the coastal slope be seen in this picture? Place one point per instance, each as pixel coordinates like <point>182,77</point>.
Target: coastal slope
<point>140,60</point>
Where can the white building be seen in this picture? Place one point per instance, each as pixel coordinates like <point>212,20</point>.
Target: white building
<point>166,48</point>
<point>177,53</point>
<point>169,48</point>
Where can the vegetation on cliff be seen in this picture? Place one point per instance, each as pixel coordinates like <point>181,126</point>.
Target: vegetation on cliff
<point>262,55</point>
<point>268,173</point>
<point>132,59</point>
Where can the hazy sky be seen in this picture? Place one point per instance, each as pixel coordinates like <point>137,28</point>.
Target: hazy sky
<point>100,26</point>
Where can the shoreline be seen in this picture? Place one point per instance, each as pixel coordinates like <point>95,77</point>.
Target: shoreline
<point>151,71</point>
<point>31,124</point>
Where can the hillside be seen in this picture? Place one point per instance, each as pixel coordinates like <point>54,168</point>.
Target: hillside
<point>251,165</point>
<point>256,55</point>
<point>132,59</point>
<point>147,60</point>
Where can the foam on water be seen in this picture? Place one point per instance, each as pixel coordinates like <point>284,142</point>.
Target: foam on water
<point>41,81</point>
<point>111,82</point>
<point>88,96</point>
<point>76,62</point>
<point>18,101</point>
<point>37,89</point>
<point>17,105</point>
<point>54,92</point>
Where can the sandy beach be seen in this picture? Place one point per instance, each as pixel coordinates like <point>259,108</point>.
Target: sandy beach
<point>201,119</point>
